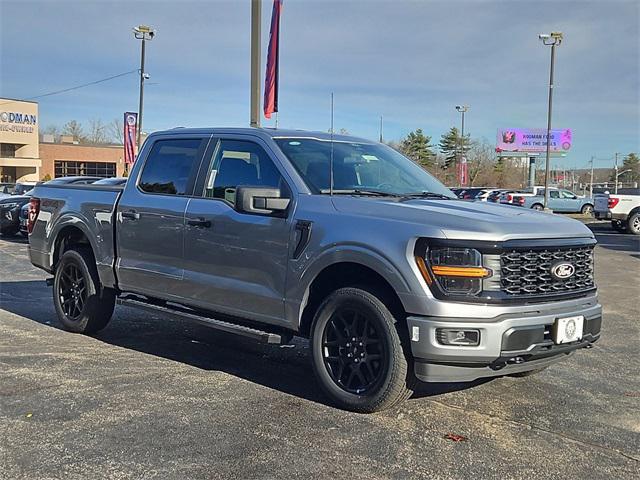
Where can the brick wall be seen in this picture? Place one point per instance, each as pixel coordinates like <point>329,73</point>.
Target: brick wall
<point>50,152</point>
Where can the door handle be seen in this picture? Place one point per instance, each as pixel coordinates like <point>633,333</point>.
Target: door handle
<point>131,215</point>
<point>199,222</point>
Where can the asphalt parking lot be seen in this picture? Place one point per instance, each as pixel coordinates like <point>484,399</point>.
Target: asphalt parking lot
<point>155,398</point>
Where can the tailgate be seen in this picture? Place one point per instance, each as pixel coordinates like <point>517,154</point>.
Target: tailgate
<point>601,203</point>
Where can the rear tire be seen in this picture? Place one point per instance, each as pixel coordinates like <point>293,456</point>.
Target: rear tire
<point>357,352</point>
<point>633,224</point>
<point>537,206</point>
<point>587,209</point>
<point>81,303</point>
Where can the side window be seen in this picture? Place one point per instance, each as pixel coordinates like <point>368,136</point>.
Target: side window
<point>554,194</point>
<point>169,166</point>
<point>567,194</point>
<point>240,163</point>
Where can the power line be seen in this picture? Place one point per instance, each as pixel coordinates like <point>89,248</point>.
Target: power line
<point>77,87</point>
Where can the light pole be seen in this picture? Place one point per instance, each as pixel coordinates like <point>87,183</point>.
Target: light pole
<point>462,109</point>
<point>144,33</point>
<point>615,188</point>
<point>552,39</point>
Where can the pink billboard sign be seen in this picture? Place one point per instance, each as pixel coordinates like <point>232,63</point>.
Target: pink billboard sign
<point>532,140</point>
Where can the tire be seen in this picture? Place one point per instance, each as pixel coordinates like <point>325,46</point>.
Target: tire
<point>81,303</point>
<point>528,373</point>
<point>633,224</point>
<point>619,226</point>
<point>587,209</point>
<point>537,206</point>
<point>370,373</point>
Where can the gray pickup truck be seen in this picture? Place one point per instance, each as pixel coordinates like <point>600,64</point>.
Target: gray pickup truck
<point>274,233</point>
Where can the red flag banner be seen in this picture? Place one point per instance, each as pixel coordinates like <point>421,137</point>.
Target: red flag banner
<point>130,147</point>
<point>273,58</point>
<point>462,173</point>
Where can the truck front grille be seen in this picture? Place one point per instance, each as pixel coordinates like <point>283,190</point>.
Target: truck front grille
<point>528,271</point>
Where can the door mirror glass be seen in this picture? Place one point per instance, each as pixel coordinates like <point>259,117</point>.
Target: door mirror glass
<point>262,201</point>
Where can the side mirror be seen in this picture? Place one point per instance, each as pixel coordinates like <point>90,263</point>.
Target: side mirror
<point>260,200</point>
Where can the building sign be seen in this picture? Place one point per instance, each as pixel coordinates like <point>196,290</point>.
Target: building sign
<point>532,140</point>
<point>130,149</point>
<point>17,122</point>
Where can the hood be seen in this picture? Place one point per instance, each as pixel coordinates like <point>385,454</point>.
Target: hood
<point>458,219</point>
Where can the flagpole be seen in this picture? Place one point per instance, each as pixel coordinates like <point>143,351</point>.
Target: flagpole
<point>276,120</point>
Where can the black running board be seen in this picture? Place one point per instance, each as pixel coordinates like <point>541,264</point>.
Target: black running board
<point>255,334</point>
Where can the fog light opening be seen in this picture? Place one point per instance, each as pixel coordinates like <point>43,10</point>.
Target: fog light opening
<point>458,337</point>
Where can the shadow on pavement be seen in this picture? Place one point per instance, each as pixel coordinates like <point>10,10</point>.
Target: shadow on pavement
<point>613,240</point>
<point>285,368</point>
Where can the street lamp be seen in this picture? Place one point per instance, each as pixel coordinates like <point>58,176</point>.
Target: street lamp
<point>552,39</point>
<point>462,109</point>
<point>144,33</point>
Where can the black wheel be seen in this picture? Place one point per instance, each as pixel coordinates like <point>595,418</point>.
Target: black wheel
<point>82,305</point>
<point>357,352</point>
<point>587,209</point>
<point>528,373</point>
<point>619,225</point>
<point>537,206</point>
<point>633,224</point>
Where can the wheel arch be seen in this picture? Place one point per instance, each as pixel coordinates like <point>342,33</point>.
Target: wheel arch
<point>349,273</point>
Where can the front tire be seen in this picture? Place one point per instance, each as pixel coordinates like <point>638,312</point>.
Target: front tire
<point>587,209</point>
<point>357,352</point>
<point>633,224</point>
<point>81,303</point>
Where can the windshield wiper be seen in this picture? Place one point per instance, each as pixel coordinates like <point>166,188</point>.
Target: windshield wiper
<point>427,195</point>
<point>360,191</point>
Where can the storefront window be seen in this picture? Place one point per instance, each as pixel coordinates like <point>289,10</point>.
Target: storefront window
<point>93,169</point>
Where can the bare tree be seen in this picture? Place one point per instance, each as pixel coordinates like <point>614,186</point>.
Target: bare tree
<point>480,162</point>
<point>74,129</point>
<point>115,131</point>
<point>97,131</point>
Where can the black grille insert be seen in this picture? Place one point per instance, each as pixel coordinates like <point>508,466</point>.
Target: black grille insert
<point>528,271</point>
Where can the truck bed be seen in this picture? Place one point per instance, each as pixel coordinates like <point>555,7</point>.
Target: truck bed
<point>88,208</point>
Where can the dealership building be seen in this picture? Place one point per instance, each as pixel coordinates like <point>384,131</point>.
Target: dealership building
<point>26,156</point>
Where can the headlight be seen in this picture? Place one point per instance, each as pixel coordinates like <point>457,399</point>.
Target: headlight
<point>457,271</point>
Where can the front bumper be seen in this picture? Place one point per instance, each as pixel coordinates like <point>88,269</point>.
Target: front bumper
<point>509,343</point>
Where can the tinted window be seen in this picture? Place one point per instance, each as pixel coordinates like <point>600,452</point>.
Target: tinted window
<point>169,166</point>
<point>240,163</point>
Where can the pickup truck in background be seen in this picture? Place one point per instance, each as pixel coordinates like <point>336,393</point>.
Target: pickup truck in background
<point>274,233</point>
<point>560,200</point>
<point>622,208</point>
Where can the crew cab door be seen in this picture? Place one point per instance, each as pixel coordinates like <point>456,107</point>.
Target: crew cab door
<point>570,202</point>
<point>236,262</point>
<point>150,217</point>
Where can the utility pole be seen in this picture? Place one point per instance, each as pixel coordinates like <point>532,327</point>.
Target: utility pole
<point>552,39</point>
<point>591,182</point>
<point>256,25</point>
<point>615,188</point>
<point>144,33</point>
<point>381,127</point>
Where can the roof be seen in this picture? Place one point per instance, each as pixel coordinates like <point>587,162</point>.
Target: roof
<point>265,132</point>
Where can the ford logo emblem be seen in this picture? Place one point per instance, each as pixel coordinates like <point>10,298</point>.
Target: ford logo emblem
<point>562,270</point>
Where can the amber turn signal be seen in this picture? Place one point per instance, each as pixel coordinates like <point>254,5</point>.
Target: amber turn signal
<point>473,272</point>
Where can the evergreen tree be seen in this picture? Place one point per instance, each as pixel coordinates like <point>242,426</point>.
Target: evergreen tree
<point>632,163</point>
<point>452,145</point>
<point>417,146</point>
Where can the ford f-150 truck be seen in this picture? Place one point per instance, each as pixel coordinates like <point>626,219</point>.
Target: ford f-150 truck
<point>274,233</point>
<point>559,201</point>
<point>622,208</point>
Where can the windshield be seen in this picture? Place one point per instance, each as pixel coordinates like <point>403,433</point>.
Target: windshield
<point>358,167</point>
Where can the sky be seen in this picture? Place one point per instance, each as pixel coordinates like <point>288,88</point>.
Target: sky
<point>410,61</point>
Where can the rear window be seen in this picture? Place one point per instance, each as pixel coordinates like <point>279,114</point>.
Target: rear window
<point>170,166</point>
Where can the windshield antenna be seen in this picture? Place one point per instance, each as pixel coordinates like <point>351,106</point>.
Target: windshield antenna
<point>331,158</point>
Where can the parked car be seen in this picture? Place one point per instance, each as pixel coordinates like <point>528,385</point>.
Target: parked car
<point>10,213</point>
<point>471,193</point>
<point>21,188</point>
<point>457,191</point>
<point>75,180</point>
<point>622,208</point>
<point>507,196</point>
<point>494,196</point>
<point>559,201</point>
<point>391,277</point>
